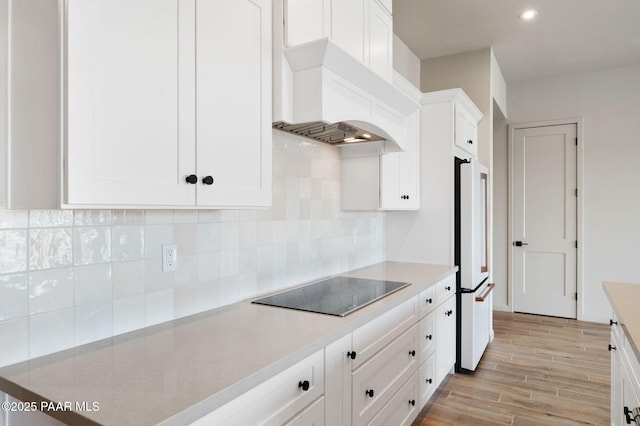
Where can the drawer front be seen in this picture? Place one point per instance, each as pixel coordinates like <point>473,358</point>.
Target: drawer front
<point>379,332</point>
<point>403,408</point>
<point>427,336</point>
<point>427,379</point>
<point>313,415</point>
<point>383,375</point>
<point>445,289</point>
<point>427,301</point>
<point>277,400</point>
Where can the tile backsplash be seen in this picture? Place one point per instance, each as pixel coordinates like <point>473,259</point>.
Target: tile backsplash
<point>71,277</point>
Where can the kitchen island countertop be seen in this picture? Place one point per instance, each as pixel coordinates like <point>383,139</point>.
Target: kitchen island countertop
<point>625,300</point>
<point>175,372</point>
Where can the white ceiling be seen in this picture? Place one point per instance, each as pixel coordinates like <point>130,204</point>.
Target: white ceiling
<point>567,36</point>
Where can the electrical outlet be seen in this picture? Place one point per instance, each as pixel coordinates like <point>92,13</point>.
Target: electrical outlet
<point>169,257</point>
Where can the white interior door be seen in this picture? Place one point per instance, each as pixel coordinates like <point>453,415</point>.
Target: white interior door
<point>544,220</point>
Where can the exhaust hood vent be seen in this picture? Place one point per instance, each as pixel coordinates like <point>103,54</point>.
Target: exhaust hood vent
<point>335,134</point>
<point>323,93</point>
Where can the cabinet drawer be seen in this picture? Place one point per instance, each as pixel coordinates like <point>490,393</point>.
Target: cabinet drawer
<point>277,400</point>
<point>377,333</point>
<point>445,289</point>
<point>313,415</point>
<point>383,375</point>
<point>427,336</point>
<point>427,379</point>
<point>427,301</point>
<point>403,408</point>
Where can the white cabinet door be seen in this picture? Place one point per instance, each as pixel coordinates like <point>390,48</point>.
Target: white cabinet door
<point>466,131</point>
<point>445,338</point>
<point>399,171</point>
<point>233,80</point>
<point>379,43</point>
<point>304,21</point>
<point>347,26</point>
<point>337,382</point>
<point>427,379</point>
<point>402,409</point>
<point>427,336</point>
<point>313,415</point>
<point>127,127</point>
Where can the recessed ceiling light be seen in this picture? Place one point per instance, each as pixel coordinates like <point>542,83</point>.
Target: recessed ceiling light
<point>528,14</point>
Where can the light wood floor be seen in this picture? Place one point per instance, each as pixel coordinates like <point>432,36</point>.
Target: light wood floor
<point>537,371</point>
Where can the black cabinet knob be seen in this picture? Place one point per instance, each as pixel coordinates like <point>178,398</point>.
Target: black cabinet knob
<point>412,353</point>
<point>369,393</point>
<point>429,301</point>
<point>612,322</point>
<point>429,381</point>
<point>351,354</point>
<point>192,179</point>
<point>449,313</point>
<point>612,348</point>
<point>470,142</point>
<point>412,402</point>
<point>207,180</point>
<point>448,288</point>
<point>429,336</point>
<point>304,385</point>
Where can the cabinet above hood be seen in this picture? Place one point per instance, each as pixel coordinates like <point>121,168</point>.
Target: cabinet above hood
<point>322,92</point>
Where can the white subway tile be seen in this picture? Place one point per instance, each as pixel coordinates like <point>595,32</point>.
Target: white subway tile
<point>51,332</point>
<point>93,321</point>
<point>92,284</point>
<point>92,245</point>
<point>185,216</point>
<point>127,243</point>
<point>155,236</point>
<point>154,278</point>
<point>50,290</point>
<point>128,278</point>
<point>128,313</point>
<point>14,335</point>
<point>186,238</point>
<point>14,296</point>
<point>13,251</point>
<point>12,219</point>
<point>128,217</point>
<point>158,217</point>
<point>158,307</point>
<point>92,217</point>
<point>50,218</point>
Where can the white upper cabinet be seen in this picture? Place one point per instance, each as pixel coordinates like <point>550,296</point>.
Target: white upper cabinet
<point>450,114</point>
<point>466,131</point>
<point>362,28</point>
<point>157,109</point>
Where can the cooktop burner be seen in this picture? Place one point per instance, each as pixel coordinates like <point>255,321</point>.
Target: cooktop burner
<point>335,296</point>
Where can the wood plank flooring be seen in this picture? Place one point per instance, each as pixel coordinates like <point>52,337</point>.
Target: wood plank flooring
<point>537,371</point>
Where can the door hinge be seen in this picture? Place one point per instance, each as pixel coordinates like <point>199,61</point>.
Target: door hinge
<point>576,296</point>
<point>576,244</point>
<point>576,140</point>
<point>576,192</point>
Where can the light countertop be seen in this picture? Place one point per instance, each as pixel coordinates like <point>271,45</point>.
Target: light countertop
<point>175,372</point>
<point>625,300</point>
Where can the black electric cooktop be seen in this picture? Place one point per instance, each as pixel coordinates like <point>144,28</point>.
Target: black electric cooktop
<point>335,296</point>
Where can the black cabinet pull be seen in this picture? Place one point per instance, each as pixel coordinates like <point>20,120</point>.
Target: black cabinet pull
<point>207,180</point>
<point>630,415</point>
<point>429,336</point>
<point>612,322</point>
<point>412,353</point>
<point>429,301</point>
<point>612,348</point>
<point>351,354</point>
<point>412,402</point>
<point>192,179</point>
<point>369,393</point>
<point>470,142</point>
<point>429,381</point>
<point>304,385</point>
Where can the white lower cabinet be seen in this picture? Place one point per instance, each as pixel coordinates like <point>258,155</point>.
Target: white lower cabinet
<point>278,400</point>
<point>445,335</point>
<point>377,380</point>
<point>625,378</point>
<point>403,408</point>
<point>381,373</point>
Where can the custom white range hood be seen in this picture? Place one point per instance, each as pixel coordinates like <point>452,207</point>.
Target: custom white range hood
<point>322,92</point>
